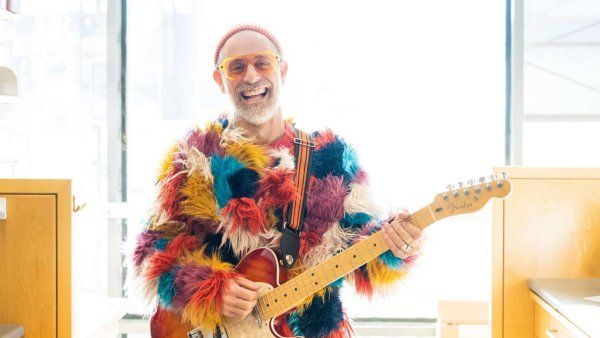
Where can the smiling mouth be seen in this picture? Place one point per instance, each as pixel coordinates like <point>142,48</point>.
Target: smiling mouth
<point>253,96</point>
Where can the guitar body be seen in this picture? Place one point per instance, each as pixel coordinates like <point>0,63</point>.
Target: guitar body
<point>261,266</point>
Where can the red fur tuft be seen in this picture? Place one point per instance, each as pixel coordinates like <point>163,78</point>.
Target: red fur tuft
<point>277,187</point>
<point>308,240</point>
<point>363,284</point>
<point>323,138</point>
<point>169,194</point>
<point>181,242</point>
<point>282,327</point>
<point>209,291</point>
<point>245,213</point>
<point>160,262</point>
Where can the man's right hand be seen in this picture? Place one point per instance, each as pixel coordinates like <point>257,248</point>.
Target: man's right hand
<point>239,298</point>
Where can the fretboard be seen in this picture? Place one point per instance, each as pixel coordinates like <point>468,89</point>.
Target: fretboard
<point>304,285</point>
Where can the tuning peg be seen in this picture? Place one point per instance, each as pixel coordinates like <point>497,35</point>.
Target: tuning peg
<point>460,184</point>
<point>481,179</point>
<point>450,187</point>
<point>471,182</point>
<point>503,175</point>
<point>493,177</point>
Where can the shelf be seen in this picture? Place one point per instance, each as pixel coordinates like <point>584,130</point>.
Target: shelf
<point>6,15</point>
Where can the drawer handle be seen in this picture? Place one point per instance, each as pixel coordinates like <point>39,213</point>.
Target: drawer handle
<point>550,333</point>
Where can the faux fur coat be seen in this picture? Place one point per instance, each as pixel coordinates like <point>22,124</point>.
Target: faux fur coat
<point>219,196</point>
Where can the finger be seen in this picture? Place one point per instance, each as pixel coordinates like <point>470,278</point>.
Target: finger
<point>395,250</point>
<point>248,284</point>
<point>242,305</point>
<point>245,294</point>
<point>394,247</point>
<point>404,235</point>
<point>414,231</point>
<point>404,214</point>
<point>397,237</point>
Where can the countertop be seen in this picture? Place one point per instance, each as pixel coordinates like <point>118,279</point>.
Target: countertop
<point>567,296</point>
<point>11,331</point>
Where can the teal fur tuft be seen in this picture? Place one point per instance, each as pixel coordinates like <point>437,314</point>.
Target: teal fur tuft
<point>222,168</point>
<point>349,162</point>
<point>294,323</point>
<point>166,288</point>
<point>391,261</point>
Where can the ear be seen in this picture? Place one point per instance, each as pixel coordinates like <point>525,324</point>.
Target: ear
<point>219,79</point>
<point>284,67</point>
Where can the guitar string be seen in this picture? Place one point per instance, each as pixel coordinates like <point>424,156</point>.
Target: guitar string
<point>276,294</point>
<point>417,217</point>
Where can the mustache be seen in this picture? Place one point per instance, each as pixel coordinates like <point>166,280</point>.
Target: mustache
<point>243,86</point>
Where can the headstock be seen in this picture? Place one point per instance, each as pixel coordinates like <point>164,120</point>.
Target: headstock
<point>470,197</point>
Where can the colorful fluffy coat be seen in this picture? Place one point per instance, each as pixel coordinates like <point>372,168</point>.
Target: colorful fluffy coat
<point>220,196</point>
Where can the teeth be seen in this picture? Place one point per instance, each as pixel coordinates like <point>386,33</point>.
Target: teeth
<point>255,92</point>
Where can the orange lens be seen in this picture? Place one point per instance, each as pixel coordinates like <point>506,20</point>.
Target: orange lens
<point>236,66</point>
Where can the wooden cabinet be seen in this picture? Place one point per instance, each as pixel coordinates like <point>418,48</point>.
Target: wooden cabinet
<point>548,227</point>
<point>35,256</point>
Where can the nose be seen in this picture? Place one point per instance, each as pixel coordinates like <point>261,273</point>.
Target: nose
<point>251,76</point>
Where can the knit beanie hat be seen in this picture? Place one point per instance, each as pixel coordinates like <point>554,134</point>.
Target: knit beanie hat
<point>243,27</point>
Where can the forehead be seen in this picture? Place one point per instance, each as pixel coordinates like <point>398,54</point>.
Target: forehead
<point>246,42</point>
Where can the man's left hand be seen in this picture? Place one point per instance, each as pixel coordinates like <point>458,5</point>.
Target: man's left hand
<point>403,238</point>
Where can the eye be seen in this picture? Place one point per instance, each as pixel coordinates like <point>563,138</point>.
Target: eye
<point>236,66</point>
<point>262,63</point>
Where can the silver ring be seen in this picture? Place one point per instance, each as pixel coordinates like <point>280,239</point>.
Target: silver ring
<point>405,247</point>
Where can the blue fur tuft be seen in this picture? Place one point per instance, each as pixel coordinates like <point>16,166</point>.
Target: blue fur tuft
<point>328,159</point>
<point>322,316</point>
<point>294,323</point>
<point>337,283</point>
<point>349,163</point>
<point>223,121</point>
<point>166,288</point>
<point>355,220</point>
<point>243,183</point>
<point>391,261</point>
<point>222,168</point>
<point>161,244</point>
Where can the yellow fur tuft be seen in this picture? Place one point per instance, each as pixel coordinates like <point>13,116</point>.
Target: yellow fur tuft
<point>253,156</point>
<point>214,126</point>
<point>200,201</point>
<point>167,163</point>
<point>381,275</point>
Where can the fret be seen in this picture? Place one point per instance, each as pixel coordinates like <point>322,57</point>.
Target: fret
<point>301,288</point>
<point>271,301</point>
<point>329,274</point>
<point>336,265</point>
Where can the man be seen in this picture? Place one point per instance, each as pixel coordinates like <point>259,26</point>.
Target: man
<point>221,192</point>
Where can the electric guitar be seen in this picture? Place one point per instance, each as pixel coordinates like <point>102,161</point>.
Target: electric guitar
<point>278,295</point>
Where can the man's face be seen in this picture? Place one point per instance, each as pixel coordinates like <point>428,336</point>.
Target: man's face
<point>255,95</point>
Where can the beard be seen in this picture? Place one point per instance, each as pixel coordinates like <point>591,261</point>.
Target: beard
<point>256,112</point>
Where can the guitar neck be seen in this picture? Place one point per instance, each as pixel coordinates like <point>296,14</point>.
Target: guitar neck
<point>304,285</point>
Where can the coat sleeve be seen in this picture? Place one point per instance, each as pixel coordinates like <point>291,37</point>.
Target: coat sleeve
<point>171,259</point>
<point>362,218</point>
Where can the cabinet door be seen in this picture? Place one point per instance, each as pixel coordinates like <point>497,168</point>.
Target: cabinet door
<point>28,264</point>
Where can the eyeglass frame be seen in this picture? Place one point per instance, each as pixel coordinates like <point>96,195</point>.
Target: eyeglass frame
<point>220,67</point>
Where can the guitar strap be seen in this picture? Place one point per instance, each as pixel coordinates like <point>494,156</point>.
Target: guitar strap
<point>293,215</point>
